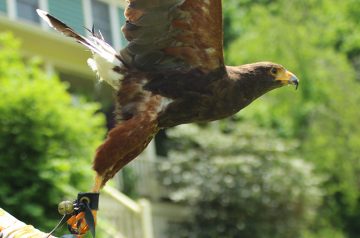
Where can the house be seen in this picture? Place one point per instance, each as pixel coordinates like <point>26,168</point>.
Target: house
<point>119,215</point>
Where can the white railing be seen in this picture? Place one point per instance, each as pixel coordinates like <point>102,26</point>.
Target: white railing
<point>122,217</point>
<point>146,185</point>
<point>144,169</point>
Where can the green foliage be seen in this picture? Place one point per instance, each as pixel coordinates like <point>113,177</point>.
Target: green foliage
<point>241,180</point>
<point>47,139</point>
<point>312,39</point>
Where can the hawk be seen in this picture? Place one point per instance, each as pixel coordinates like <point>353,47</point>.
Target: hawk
<point>171,72</point>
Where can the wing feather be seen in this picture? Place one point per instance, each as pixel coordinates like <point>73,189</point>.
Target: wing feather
<point>174,34</point>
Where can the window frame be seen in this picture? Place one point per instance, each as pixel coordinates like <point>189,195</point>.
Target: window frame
<point>13,14</point>
<point>114,19</point>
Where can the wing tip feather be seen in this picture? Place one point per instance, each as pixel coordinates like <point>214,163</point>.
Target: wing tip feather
<point>45,16</point>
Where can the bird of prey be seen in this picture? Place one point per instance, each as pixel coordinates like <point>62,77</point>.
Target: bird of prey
<point>171,72</point>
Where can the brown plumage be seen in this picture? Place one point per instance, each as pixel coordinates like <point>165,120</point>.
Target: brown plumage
<point>171,72</point>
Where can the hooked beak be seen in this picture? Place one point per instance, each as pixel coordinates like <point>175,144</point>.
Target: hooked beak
<point>288,78</point>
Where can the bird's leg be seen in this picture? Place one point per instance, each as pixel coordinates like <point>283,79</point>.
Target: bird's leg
<point>98,182</point>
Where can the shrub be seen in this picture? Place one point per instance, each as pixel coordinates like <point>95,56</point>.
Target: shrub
<point>241,181</point>
<point>47,139</point>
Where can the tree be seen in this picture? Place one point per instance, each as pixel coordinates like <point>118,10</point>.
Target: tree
<point>47,138</point>
<point>311,38</point>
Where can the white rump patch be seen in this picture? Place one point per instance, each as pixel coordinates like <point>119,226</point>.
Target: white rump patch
<point>104,68</point>
<point>104,61</point>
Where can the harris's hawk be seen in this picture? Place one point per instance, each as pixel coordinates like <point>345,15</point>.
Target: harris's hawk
<point>171,72</point>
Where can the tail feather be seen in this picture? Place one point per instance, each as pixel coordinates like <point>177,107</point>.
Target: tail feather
<point>105,58</point>
<point>63,28</point>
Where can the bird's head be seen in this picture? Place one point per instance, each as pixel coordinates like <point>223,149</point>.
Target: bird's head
<point>268,75</point>
<point>262,77</point>
<point>254,80</point>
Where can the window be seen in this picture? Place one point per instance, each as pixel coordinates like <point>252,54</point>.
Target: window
<point>3,6</point>
<point>101,19</point>
<point>26,9</point>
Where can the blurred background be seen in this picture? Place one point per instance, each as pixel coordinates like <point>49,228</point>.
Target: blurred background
<point>287,166</point>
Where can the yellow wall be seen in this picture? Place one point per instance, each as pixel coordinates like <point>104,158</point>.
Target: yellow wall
<point>54,48</point>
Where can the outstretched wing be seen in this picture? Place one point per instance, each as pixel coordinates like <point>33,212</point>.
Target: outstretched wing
<point>173,34</point>
<point>177,39</point>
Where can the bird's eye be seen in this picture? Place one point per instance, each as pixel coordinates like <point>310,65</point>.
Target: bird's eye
<point>273,71</point>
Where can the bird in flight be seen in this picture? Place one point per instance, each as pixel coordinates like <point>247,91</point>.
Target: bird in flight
<point>171,72</point>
